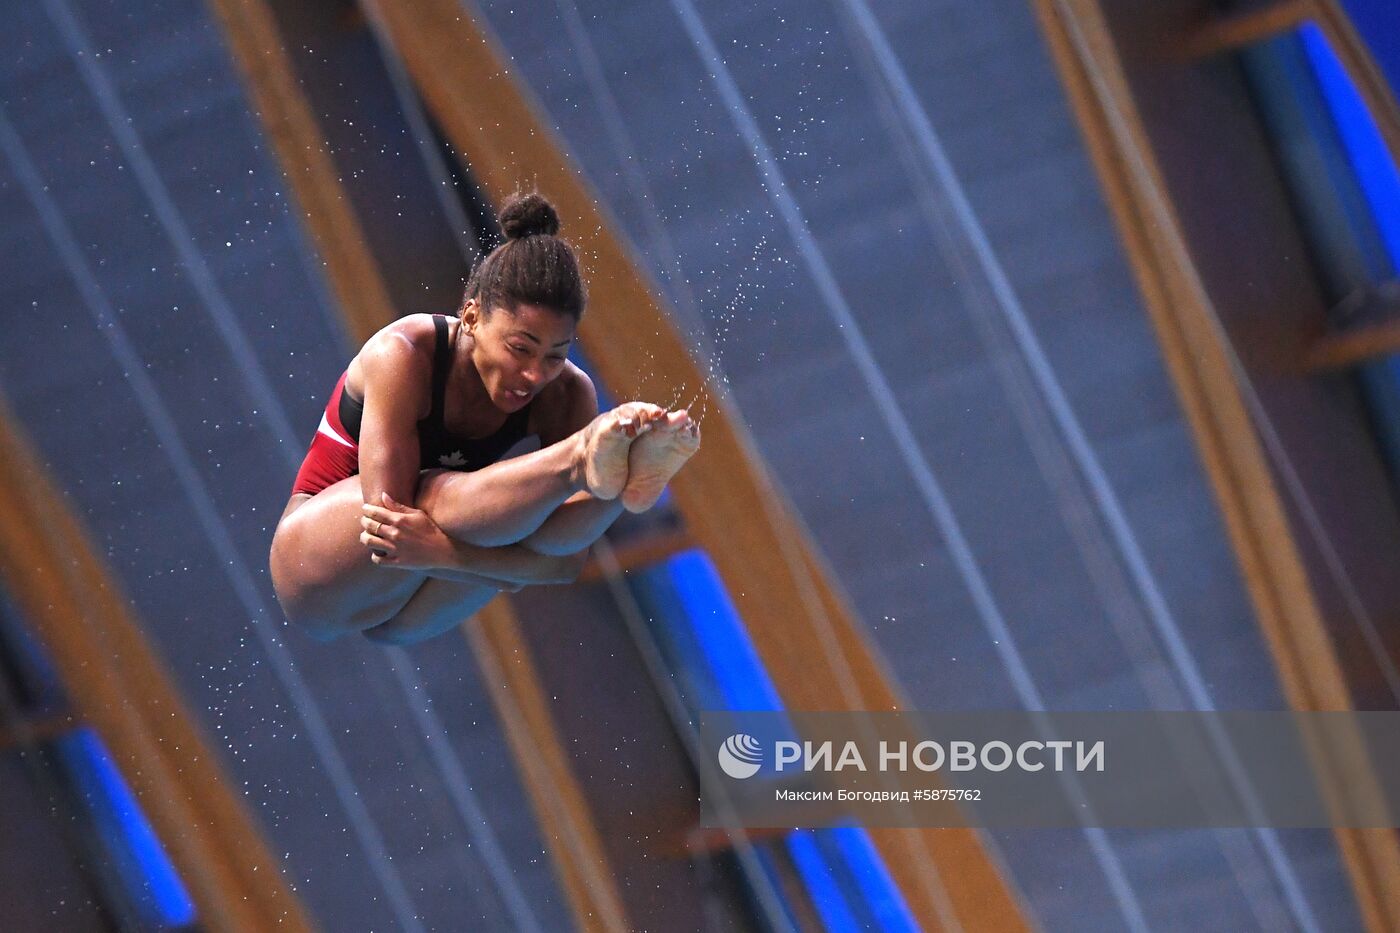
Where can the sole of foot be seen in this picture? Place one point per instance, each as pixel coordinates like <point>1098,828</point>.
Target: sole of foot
<point>656,457</point>
<point>607,443</point>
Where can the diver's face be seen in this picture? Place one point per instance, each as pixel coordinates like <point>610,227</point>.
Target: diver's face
<point>518,353</point>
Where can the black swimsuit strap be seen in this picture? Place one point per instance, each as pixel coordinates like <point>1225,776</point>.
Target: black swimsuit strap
<point>442,365</point>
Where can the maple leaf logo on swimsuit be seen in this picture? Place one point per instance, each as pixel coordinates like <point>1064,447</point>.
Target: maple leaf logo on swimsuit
<point>454,459</point>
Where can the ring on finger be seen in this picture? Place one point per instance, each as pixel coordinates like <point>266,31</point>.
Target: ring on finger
<point>378,527</point>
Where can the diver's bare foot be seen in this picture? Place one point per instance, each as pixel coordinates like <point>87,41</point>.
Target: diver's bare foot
<point>605,444</point>
<point>655,458</point>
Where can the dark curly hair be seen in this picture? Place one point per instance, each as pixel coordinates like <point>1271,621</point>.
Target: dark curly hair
<point>533,266</point>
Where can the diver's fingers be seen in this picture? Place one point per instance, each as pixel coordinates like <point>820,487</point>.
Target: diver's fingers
<point>380,515</point>
<point>376,544</point>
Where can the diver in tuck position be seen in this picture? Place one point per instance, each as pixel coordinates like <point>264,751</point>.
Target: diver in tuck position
<point>402,522</point>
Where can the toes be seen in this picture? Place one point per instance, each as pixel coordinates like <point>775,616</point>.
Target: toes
<point>635,418</point>
<point>628,425</point>
<point>651,416</point>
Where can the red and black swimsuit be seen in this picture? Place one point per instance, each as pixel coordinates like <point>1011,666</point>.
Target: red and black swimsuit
<point>335,450</point>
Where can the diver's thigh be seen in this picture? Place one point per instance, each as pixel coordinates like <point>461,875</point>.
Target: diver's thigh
<point>318,542</point>
<point>322,573</point>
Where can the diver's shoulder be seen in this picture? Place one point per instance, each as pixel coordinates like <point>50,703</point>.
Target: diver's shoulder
<point>417,331</point>
<point>400,350</point>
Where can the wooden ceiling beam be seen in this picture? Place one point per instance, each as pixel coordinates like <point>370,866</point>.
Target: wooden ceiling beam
<point>37,729</point>
<point>1370,330</point>
<point>1230,32</point>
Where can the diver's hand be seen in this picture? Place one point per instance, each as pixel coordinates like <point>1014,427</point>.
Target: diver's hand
<point>401,536</point>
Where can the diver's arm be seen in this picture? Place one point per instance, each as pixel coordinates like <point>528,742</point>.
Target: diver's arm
<point>408,538</point>
<point>397,374</point>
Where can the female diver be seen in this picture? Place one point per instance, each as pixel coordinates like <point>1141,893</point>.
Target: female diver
<point>401,522</point>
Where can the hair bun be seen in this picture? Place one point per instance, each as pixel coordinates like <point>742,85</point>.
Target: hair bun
<point>526,215</point>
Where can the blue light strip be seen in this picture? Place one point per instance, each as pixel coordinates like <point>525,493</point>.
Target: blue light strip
<point>743,682</point>
<point>1375,169</point>
<point>874,880</point>
<point>732,658</point>
<point>1376,173</point>
<point>154,888</point>
<point>826,893</point>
